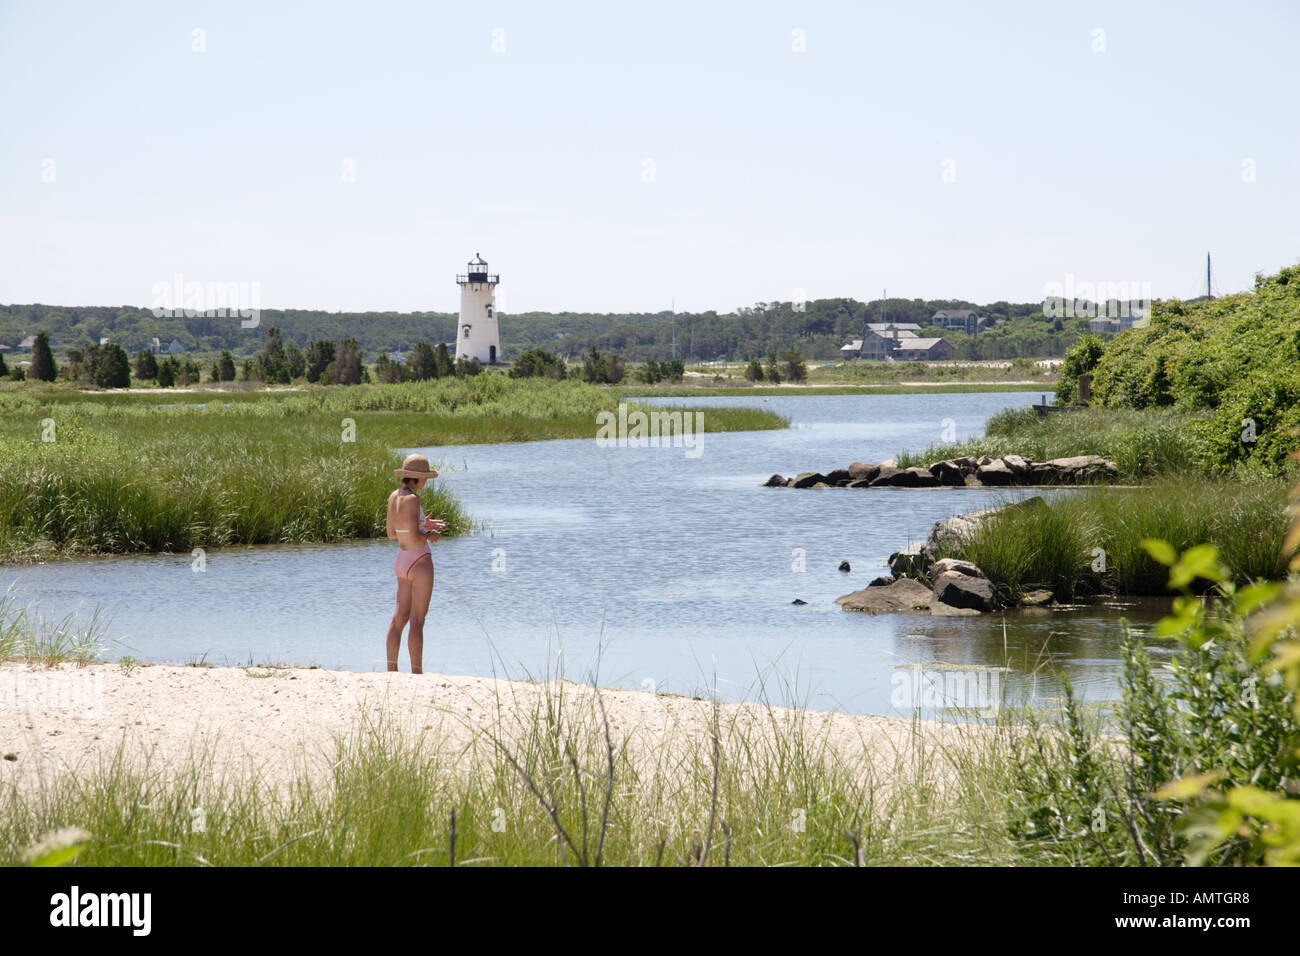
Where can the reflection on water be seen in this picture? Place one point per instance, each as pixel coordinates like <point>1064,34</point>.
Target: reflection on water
<point>639,567</point>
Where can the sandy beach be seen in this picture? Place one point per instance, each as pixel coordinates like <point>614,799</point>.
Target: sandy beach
<point>276,722</point>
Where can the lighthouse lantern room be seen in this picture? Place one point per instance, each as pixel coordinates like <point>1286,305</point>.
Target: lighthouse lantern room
<point>476,335</point>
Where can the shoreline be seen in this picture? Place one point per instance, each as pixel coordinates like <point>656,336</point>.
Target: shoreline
<point>274,722</point>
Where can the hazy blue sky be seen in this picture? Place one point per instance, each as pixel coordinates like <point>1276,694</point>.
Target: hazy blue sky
<point>772,170</point>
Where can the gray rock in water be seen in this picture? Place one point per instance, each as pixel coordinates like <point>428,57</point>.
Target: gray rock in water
<point>948,473</point>
<point>1082,469</point>
<point>809,479</point>
<point>912,561</point>
<point>798,601</point>
<point>1039,598</point>
<point>844,566</point>
<point>838,475</point>
<point>946,565</point>
<point>995,473</point>
<point>863,470</point>
<point>863,483</point>
<point>961,590</point>
<point>904,595</point>
<point>1020,467</point>
<point>880,582</point>
<point>776,481</point>
<point>915,477</point>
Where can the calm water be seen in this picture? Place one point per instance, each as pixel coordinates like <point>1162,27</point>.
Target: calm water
<point>642,567</point>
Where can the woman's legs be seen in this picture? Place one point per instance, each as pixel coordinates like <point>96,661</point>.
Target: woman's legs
<point>421,589</point>
<point>399,620</point>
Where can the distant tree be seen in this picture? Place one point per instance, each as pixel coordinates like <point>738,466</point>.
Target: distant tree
<point>168,371</point>
<point>348,368</point>
<point>536,363</point>
<point>4,369</point>
<point>673,370</point>
<point>190,373</point>
<point>17,375</point>
<point>468,367</point>
<point>795,369</point>
<point>114,369</point>
<point>387,371</point>
<point>773,371</point>
<point>754,371</point>
<point>272,364</point>
<point>1081,359</point>
<point>72,367</point>
<point>442,358</point>
<point>615,369</point>
<point>42,368</point>
<point>225,368</point>
<point>422,362</point>
<point>296,362</point>
<point>649,372</point>
<point>146,365</point>
<point>320,355</point>
<point>594,366</point>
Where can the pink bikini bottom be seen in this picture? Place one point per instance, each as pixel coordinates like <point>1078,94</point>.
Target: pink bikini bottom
<point>406,560</point>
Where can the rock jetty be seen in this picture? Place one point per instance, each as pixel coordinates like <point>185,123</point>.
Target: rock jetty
<point>959,473</point>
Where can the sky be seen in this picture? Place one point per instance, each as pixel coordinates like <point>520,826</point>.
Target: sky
<point>639,157</point>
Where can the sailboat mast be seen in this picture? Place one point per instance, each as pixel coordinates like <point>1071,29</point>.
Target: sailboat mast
<point>1209,289</point>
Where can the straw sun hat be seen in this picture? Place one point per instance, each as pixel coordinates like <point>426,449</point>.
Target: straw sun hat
<point>415,466</point>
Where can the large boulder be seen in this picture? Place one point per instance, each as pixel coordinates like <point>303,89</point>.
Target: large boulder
<point>776,481</point>
<point>903,595</point>
<point>864,483</point>
<point>914,477</point>
<point>948,473</point>
<point>995,473</point>
<point>952,565</point>
<point>963,590</point>
<point>967,464</point>
<point>838,475</point>
<point>1020,467</point>
<point>809,479</point>
<point>912,561</point>
<point>1084,469</point>
<point>863,470</point>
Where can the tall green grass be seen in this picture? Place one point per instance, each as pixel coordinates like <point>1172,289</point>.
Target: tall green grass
<point>123,474</point>
<point>1089,542</point>
<point>27,636</point>
<point>1143,443</point>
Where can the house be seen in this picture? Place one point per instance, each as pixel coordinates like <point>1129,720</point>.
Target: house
<point>914,349</point>
<point>899,326</point>
<point>884,343</point>
<point>27,343</point>
<point>175,348</point>
<point>964,319</point>
<point>1109,326</point>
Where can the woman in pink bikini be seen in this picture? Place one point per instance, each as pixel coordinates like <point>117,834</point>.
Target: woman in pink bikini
<point>411,529</point>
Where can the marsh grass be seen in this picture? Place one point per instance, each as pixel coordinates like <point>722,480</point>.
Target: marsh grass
<point>1089,542</point>
<point>26,636</point>
<point>123,475</point>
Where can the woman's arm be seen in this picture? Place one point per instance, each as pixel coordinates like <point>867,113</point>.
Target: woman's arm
<point>388,521</point>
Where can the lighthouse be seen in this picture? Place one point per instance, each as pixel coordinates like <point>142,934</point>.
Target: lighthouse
<point>476,335</point>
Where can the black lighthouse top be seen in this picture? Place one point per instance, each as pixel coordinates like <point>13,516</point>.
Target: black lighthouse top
<point>478,273</point>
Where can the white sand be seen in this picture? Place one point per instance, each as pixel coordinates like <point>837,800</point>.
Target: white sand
<point>70,718</point>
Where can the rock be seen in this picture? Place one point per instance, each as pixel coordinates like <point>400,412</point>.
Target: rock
<point>905,478</point>
<point>1020,467</point>
<point>881,582</point>
<point>961,590</point>
<point>844,566</point>
<point>912,560</point>
<point>984,460</point>
<point>904,595</point>
<point>1038,598</point>
<point>889,463</point>
<point>948,473</point>
<point>776,481</point>
<point>808,479</point>
<point>789,482</point>
<point>864,483</point>
<point>843,483</point>
<point>884,476</point>
<point>995,473</point>
<point>821,484</point>
<point>863,470</point>
<point>838,475</point>
<point>946,535</point>
<point>955,565</point>
<point>798,601</point>
<point>1082,469</point>
<point>939,609</point>
<point>967,464</point>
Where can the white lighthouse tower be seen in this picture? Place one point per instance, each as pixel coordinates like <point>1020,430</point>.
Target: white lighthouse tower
<point>476,335</point>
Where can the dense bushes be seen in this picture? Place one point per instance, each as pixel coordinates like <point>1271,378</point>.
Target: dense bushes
<point>1237,356</point>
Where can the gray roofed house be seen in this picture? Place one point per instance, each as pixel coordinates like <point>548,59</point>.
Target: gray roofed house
<point>965,319</point>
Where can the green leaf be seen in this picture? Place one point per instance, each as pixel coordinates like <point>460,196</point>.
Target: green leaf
<point>1202,561</point>
<point>1161,550</point>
